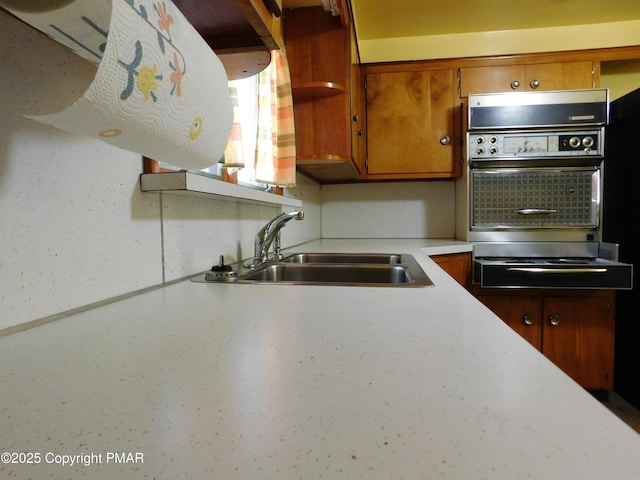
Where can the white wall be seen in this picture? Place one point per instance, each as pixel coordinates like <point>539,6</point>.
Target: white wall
<point>389,210</point>
<point>75,228</point>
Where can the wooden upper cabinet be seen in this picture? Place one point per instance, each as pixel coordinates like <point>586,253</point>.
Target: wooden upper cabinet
<point>241,32</point>
<point>358,107</point>
<point>560,76</point>
<point>491,79</point>
<point>521,78</point>
<point>410,126</point>
<point>319,48</point>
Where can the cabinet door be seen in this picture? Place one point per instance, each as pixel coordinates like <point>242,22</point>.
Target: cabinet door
<point>519,78</point>
<point>523,314</point>
<point>507,78</point>
<point>579,338</point>
<point>559,76</point>
<point>457,265</point>
<point>410,122</point>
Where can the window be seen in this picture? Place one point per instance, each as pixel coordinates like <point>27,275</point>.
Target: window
<point>263,130</point>
<point>245,92</point>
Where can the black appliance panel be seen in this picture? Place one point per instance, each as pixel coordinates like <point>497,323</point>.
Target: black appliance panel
<point>551,109</point>
<point>539,116</point>
<point>552,273</point>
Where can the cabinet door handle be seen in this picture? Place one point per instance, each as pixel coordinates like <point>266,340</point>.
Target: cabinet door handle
<point>527,319</point>
<point>446,140</point>
<point>534,83</point>
<point>515,84</point>
<point>554,320</point>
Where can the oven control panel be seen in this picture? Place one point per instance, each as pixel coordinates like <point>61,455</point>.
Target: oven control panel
<point>535,144</point>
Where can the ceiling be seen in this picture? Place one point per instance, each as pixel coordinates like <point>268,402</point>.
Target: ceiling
<point>379,19</point>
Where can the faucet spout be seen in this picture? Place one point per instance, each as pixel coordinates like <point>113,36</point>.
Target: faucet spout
<point>270,233</point>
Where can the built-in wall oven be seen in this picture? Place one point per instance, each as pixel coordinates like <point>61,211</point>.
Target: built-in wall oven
<point>535,176</point>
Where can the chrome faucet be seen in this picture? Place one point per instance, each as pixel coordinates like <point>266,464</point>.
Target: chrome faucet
<point>270,234</point>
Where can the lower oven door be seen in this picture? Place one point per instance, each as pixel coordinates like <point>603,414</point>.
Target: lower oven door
<point>553,273</point>
<point>520,199</point>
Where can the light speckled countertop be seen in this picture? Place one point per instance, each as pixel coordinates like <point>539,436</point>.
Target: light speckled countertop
<point>286,382</point>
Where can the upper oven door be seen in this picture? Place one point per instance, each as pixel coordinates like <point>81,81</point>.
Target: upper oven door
<point>507,199</point>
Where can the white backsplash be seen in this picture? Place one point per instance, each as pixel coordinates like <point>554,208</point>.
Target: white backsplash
<point>197,231</point>
<point>389,210</point>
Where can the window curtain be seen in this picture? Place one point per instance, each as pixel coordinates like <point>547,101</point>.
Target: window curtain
<point>275,161</point>
<point>233,153</point>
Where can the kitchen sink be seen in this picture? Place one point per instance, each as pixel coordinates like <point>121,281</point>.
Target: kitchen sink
<point>319,273</point>
<point>340,258</point>
<point>344,269</point>
<point>339,269</point>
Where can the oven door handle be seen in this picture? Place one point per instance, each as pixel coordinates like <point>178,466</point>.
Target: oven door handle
<point>555,270</point>
<point>536,211</point>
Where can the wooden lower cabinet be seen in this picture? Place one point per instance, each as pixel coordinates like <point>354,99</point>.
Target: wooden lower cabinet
<point>457,265</point>
<point>523,314</point>
<point>578,336</point>
<point>574,330</point>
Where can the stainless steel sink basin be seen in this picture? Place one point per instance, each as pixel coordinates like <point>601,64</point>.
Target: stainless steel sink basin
<point>319,273</point>
<point>390,270</point>
<point>375,258</point>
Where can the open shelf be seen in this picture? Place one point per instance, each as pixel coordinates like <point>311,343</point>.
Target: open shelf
<point>204,186</point>
<point>317,89</point>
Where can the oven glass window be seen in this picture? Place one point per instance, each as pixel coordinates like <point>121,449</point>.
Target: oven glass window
<point>535,198</point>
